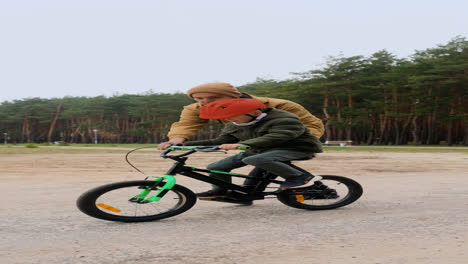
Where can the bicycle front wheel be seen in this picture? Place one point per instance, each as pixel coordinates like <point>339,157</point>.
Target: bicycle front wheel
<point>114,202</point>
<point>329,193</point>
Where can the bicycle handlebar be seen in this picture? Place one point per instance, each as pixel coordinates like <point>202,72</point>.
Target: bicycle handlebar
<point>193,149</point>
<point>203,148</point>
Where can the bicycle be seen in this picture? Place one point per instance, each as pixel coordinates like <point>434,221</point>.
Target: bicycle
<point>161,197</point>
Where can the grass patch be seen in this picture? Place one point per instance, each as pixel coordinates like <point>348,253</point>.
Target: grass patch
<point>44,150</point>
<point>113,145</point>
<point>123,148</point>
<point>22,149</point>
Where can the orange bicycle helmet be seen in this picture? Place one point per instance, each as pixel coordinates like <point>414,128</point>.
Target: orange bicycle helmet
<point>229,108</point>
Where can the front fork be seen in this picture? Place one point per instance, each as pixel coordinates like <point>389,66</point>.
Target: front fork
<point>141,197</point>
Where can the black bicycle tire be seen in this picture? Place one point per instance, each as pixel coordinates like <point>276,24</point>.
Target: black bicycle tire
<point>355,192</point>
<point>86,203</point>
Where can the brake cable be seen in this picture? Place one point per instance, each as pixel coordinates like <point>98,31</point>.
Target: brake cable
<point>129,163</point>
<point>201,149</point>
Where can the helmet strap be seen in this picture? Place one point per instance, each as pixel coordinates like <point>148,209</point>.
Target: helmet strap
<point>252,116</point>
<point>255,119</point>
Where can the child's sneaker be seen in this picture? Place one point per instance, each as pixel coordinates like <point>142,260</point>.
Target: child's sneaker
<point>300,182</point>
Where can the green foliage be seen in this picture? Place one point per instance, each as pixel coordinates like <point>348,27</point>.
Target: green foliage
<point>378,99</point>
<point>31,145</point>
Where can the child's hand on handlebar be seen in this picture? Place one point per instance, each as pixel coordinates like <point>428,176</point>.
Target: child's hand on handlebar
<point>172,141</point>
<point>229,146</point>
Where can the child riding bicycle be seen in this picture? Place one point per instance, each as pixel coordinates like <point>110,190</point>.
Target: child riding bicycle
<point>273,136</point>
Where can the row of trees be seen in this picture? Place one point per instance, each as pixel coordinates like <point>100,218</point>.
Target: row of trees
<point>118,119</point>
<point>384,100</point>
<point>378,99</point>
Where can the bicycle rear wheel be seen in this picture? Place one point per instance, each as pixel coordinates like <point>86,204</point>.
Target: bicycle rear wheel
<point>114,202</point>
<point>329,193</point>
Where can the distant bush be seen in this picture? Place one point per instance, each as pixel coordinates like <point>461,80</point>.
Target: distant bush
<point>64,144</point>
<point>31,145</point>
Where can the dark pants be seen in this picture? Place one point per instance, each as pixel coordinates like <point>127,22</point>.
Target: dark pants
<point>259,173</point>
<point>271,161</point>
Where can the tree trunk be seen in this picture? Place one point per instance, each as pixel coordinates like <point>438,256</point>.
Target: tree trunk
<point>154,130</point>
<point>430,131</point>
<point>383,121</point>
<point>349,121</point>
<point>74,133</point>
<point>465,139</point>
<point>383,128</point>
<point>404,132</point>
<point>23,130</point>
<point>396,128</point>
<point>453,104</point>
<point>26,131</point>
<point>340,120</point>
<point>370,137</point>
<point>52,125</point>
<point>326,100</point>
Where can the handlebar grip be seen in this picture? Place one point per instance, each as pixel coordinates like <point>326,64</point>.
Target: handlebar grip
<point>243,147</point>
<point>175,147</point>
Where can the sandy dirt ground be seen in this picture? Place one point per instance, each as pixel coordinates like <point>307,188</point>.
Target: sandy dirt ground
<point>414,210</point>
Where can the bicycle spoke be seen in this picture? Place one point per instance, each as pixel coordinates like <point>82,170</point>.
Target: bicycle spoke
<point>126,208</point>
<point>329,193</point>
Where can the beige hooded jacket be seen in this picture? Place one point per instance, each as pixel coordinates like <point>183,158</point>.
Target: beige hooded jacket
<point>190,122</point>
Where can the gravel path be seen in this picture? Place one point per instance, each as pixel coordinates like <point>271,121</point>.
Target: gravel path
<point>414,210</point>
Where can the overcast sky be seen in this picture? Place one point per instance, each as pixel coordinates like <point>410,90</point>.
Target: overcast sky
<point>57,48</point>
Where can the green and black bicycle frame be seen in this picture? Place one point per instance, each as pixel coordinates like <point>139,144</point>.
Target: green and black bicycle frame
<point>165,183</point>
